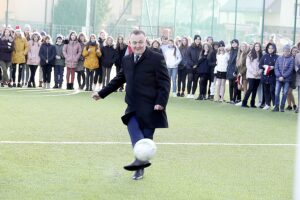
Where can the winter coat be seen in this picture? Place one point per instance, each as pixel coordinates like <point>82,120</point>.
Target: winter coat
<point>91,60</point>
<point>109,56</point>
<point>20,50</point>
<point>268,60</point>
<point>252,68</point>
<point>212,58</point>
<point>231,68</point>
<point>33,57</point>
<point>297,69</point>
<point>6,49</point>
<point>183,62</point>
<point>284,67</point>
<point>222,62</point>
<point>79,66</point>
<point>172,60</point>
<point>147,84</point>
<point>204,66</point>
<point>59,52</point>
<point>193,55</point>
<point>72,52</point>
<point>157,50</point>
<point>241,64</point>
<point>47,52</point>
<point>121,54</point>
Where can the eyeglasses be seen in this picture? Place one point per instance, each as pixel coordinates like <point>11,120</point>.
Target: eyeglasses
<point>135,42</point>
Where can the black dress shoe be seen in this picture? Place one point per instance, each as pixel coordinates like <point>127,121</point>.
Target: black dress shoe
<point>136,165</point>
<point>245,106</point>
<point>139,174</point>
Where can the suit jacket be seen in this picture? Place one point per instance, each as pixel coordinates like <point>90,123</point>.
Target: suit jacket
<point>147,84</point>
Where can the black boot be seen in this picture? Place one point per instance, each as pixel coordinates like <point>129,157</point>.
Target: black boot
<point>136,165</point>
<point>71,86</point>
<point>68,86</point>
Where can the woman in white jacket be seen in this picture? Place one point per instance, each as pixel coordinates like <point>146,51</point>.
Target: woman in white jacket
<point>221,68</point>
<point>173,57</point>
<point>253,74</point>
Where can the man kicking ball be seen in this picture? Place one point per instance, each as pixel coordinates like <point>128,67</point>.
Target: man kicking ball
<point>147,93</point>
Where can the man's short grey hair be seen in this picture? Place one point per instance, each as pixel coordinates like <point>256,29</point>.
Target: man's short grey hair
<point>138,32</point>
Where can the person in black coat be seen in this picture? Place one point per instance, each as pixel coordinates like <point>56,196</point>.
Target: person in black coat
<point>147,93</point>
<point>121,50</point>
<point>232,71</point>
<point>203,70</point>
<point>98,71</point>
<point>109,57</point>
<point>155,46</point>
<point>6,49</point>
<point>47,54</point>
<point>192,58</point>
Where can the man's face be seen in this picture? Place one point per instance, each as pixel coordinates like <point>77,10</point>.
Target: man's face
<point>138,43</point>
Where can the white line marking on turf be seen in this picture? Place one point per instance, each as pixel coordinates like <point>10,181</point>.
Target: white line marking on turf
<point>66,94</point>
<point>158,143</point>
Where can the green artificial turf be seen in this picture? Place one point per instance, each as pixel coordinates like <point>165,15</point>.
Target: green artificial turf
<point>94,171</point>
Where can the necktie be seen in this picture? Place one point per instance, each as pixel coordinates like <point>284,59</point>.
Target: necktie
<point>136,59</point>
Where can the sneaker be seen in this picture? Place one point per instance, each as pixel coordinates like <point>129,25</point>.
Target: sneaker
<point>276,109</point>
<point>295,107</point>
<point>266,107</point>
<point>239,104</point>
<point>138,175</point>
<point>174,94</point>
<point>297,110</point>
<point>192,96</point>
<point>281,109</point>
<point>289,108</point>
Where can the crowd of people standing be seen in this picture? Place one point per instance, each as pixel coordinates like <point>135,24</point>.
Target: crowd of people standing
<point>250,70</point>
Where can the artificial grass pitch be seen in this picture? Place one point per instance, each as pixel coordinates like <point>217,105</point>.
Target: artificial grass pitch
<point>179,171</point>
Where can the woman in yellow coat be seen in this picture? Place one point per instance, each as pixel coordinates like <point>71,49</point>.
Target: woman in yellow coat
<point>91,54</point>
<point>18,55</point>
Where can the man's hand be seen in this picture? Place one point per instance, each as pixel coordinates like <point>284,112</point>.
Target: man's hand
<point>96,96</point>
<point>158,107</point>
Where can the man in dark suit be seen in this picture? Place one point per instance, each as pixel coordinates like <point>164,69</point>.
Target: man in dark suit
<point>147,93</point>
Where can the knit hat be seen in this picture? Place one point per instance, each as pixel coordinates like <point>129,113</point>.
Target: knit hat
<point>235,41</point>
<point>287,47</point>
<point>197,37</point>
<point>221,43</point>
<point>18,28</point>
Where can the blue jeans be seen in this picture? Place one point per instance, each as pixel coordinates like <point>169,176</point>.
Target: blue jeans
<point>285,87</point>
<point>136,133</point>
<point>173,75</point>
<point>58,74</point>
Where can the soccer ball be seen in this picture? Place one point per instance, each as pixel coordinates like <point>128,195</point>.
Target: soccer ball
<point>144,149</point>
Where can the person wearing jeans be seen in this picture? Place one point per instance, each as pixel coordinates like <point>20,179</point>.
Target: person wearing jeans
<point>6,49</point>
<point>173,58</point>
<point>284,67</point>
